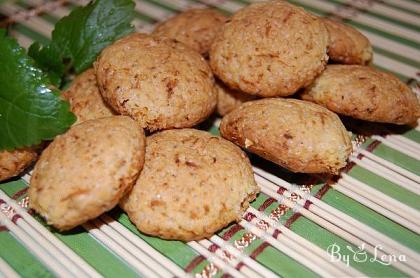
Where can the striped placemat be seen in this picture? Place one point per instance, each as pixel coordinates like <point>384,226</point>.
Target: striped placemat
<point>364,223</point>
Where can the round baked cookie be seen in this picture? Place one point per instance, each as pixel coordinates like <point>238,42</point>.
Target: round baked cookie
<point>347,45</point>
<point>295,134</point>
<point>12,163</point>
<point>195,27</point>
<point>270,49</point>
<point>228,99</point>
<point>85,172</point>
<point>158,82</point>
<point>364,93</point>
<point>192,185</point>
<point>85,100</point>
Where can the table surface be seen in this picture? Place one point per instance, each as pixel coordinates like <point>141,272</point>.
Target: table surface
<point>294,225</point>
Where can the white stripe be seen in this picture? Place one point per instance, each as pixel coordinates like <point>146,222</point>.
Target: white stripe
<point>367,19</point>
<point>132,249</point>
<point>153,11</point>
<point>284,247</point>
<point>49,261</point>
<point>214,259</point>
<point>94,229</point>
<point>385,173</point>
<point>398,207</point>
<point>144,246</point>
<point>406,4</point>
<point>395,66</point>
<point>58,12</point>
<point>350,191</point>
<point>348,227</point>
<point>7,271</point>
<point>245,269</point>
<point>390,165</point>
<point>310,247</point>
<point>46,239</point>
<point>229,6</point>
<point>405,149</point>
<point>403,140</point>
<point>392,46</point>
<point>225,245</point>
<point>41,26</point>
<point>143,26</point>
<point>22,39</point>
<point>381,9</point>
<point>178,4</point>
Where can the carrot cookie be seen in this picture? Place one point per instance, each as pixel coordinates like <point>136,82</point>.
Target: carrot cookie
<point>85,100</point>
<point>228,99</point>
<point>270,49</point>
<point>196,28</point>
<point>85,172</point>
<point>347,45</point>
<point>192,185</point>
<point>364,93</point>
<point>12,163</point>
<point>160,83</point>
<point>298,135</point>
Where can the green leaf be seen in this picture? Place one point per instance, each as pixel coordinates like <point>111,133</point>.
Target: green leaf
<point>30,109</point>
<point>79,37</point>
<point>49,60</point>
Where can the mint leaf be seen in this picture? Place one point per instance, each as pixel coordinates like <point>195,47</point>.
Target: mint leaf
<point>49,60</point>
<point>81,36</point>
<point>30,110</point>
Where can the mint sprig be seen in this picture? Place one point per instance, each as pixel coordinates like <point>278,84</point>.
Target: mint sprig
<point>78,38</point>
<point>30,108</point>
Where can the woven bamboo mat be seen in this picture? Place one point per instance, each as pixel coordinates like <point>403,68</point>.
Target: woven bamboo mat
<point>365,223</point>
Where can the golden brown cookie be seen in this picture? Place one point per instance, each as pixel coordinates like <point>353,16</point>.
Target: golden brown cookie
<point>85,100</point>
<point>298,135</point>
<point>158,82</point>
<point>12,163</point>
<point>364,93</point>
<point>270,49</point>
<point>196,28</point>
<point>192,185</point>
<point>87,170</point>
<point>347,45</point>
<point>228,99</point>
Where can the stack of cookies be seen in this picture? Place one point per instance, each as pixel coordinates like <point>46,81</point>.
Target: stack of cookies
<point>265,70</point>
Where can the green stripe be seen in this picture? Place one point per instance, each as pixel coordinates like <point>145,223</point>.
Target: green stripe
<point>177,251</point>
<point>33,35</point>
<point>391,5</point>
<point>373,219</point>
<point>379,16</point>
<point>18,257</point>
<point>93,252</point>
<point>412,134</point>
<point>395,157</point>
<point>323,238</point>
<point>387,187</point>
<point>361,26</point>
<point>47,17</point>
<point>396,57</point>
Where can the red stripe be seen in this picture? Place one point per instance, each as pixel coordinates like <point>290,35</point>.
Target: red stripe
<point>3,229</point>
<point>266,204</point>
<point>276,233</point>
<point>259,250</point>
<point>20,193</point>
<point>239,266</point>
<point>231,232</point>
<point>194,263</point>
<point>15,218</point>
